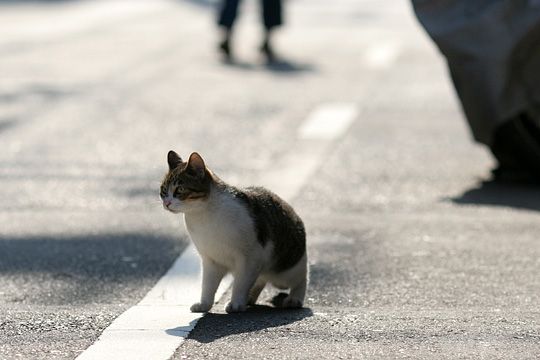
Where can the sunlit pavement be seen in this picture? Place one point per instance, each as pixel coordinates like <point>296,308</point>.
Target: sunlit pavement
<point>412,255</point>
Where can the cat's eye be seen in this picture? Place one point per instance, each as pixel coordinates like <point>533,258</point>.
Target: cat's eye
<point>178,190</point>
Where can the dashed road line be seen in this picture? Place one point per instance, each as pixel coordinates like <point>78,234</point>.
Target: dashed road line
<point>159,323</point>
<point>381,55</point>
<point>328,121</point>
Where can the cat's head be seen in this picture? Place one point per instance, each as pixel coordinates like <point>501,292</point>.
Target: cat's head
<point>187,185</point>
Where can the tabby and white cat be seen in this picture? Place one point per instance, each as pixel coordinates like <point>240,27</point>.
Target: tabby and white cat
<point>251,233</point>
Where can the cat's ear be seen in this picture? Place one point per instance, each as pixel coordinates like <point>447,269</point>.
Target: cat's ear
<point>196,165</point>
<point>173,159</point>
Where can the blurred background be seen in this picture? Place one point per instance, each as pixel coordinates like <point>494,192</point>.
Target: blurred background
<point>400,211</point>
<point>94,94</point>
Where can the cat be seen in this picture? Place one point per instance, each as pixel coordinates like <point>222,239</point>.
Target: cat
<point>250,233</point>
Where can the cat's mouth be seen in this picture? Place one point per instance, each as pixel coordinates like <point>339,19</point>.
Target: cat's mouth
<point>168,208</point>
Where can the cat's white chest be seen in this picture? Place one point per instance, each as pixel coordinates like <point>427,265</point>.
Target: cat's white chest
<point>225,232</point>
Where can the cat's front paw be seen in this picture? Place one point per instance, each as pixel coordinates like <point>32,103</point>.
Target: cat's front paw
<point>200,307</point>
<point>291,302</point>
<point>235,308</point>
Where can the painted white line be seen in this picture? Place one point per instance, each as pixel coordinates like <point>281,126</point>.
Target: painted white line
<point>325,124</point>
<point>155,327</point>
<point>328,121</point>
<point>291,174</point>
<point>160,322</point>
<point>381,55</point>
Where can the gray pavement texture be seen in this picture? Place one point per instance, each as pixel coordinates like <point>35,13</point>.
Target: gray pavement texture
<point>414,252</point>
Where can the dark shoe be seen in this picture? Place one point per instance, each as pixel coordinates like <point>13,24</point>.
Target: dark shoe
<point>268,52</point>
<point>225,49</point>
<point>517,149</point>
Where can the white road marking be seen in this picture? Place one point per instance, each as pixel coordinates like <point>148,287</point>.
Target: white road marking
<point>328,121</point>
<point>159,323</point>
<point>381,55</point>
<point>290,174</point>
<point>155,327</point>
<point>325,124</point>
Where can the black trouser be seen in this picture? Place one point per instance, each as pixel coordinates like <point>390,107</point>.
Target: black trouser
<point>271,13</point>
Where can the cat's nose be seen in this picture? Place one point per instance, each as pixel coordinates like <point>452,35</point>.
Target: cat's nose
<point>167,203</point>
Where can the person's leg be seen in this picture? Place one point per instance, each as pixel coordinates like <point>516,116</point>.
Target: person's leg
<point>227,17</point>
<point>272,16</point>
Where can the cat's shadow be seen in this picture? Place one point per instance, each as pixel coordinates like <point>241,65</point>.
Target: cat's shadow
<point>214,326</point>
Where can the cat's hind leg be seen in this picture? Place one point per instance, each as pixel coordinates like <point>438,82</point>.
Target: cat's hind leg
<point>295,299</point>
<point>256,290</point>
<point>295,279</point>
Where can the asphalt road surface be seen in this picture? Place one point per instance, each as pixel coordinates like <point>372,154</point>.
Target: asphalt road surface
<point>414,252</point>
